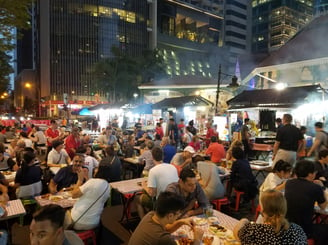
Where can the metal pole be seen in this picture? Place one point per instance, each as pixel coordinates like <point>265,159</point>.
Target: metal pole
<point>218,92</point>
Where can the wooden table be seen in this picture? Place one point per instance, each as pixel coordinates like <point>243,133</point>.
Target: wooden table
<point>65,200</point>
<point>15,208</point>
<point>224,220</point>
<point>128,189</point>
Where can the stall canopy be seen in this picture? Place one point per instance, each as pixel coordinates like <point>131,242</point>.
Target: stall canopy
<point>178,102</point>
<point>143,109</point>
<point>286,98</point>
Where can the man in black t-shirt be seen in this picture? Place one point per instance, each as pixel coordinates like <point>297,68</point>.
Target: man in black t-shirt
<point>289,141</point>
<point>301,194</point>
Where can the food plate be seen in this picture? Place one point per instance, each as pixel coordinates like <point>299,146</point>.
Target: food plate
<point>260,163</point>
<point>55,198</point>
<point>218,230</point>
<point>200,221</point>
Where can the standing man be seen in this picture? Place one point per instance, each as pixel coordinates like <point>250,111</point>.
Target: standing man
<point>210,132</point>
<point>173,132</point>
<point>159,177</point>
<point>321,140</point>
<point>190,190</point>
<point>244,131</point>
<point>279,123</point>
<point>289,141</point>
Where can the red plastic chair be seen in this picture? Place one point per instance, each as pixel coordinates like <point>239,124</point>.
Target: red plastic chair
<point>310,241</point>
<point>220,202</point>
<point>86,235</point>
<point>238,196</point>
<point>257,211</point>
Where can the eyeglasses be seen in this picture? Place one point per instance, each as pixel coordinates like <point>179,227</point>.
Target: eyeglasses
<point>77,165</point>
<point>78,161</point>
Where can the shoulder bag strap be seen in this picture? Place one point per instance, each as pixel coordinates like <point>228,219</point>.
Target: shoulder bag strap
<point>72,225</point>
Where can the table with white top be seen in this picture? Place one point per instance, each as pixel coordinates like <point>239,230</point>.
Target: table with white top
<point>63,199</point>
<point>261,167</point>
<point>223,220</point>
<point>15,208</point>
<point>128,190</point>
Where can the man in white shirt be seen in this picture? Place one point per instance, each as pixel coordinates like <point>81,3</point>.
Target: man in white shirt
<point>57,156</point>
<point>159,178</point>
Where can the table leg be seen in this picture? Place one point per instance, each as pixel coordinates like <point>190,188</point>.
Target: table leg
<point>126,201</point>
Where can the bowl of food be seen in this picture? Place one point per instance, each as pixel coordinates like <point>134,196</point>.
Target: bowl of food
<point>185,241</point>
<point>200,221</point>
<point>213,220</point>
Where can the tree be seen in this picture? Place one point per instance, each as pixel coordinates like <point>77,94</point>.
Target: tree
<point>120,76</point>
<point>13,14</point>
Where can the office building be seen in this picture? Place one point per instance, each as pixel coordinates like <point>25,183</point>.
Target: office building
<point>274,22</point>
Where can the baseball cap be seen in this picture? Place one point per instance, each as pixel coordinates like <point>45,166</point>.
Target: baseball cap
<point>190,149</point>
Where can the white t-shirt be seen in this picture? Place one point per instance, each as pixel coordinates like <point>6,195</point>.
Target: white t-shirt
<point>271,182</point>
<point>161,176</point>
<point>28,143</point>
<point>91,163</point>
<point>56,157</point>
<point>91,190</point>
<point>41,137</point>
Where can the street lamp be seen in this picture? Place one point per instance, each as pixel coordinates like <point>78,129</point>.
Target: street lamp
<point>29,85</point>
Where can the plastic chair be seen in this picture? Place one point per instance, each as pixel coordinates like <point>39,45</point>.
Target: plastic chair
<point>219,202</point>
<point>257,211</point>
<point>310,241</point>
<point>86,235</point>
<point>238,196</point>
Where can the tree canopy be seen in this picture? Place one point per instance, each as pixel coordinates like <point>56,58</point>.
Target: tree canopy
<point>120,76</point>
<point>13,14</point>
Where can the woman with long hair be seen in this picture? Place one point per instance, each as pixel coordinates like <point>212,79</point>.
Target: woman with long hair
<point>276,229</point>
<point>28,176</point>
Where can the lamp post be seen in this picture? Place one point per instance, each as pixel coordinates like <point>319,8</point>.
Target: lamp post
<point>29,86</point>
<point>218,92</point>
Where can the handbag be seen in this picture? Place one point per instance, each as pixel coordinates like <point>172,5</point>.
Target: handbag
<point>71,226</point>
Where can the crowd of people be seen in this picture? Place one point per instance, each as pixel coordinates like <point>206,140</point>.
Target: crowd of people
<point>180,182</point>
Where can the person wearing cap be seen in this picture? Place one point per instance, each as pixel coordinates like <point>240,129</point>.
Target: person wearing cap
<point>58,154</point>
<point>190,190</point>
<point>182,159</point>
<point>215,150</point>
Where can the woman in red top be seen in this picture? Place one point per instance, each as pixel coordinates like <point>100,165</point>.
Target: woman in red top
<point>195,143</point>
<point>159,130</point>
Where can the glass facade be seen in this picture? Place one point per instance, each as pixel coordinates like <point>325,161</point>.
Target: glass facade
<point>83,32</point>
<point>274,22</point>
<point>184,22</point>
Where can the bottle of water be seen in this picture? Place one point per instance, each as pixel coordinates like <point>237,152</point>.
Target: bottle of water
<point>270,158</point>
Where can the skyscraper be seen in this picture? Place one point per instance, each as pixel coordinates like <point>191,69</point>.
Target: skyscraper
<point>275,21</point>
<point>69,36</point>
